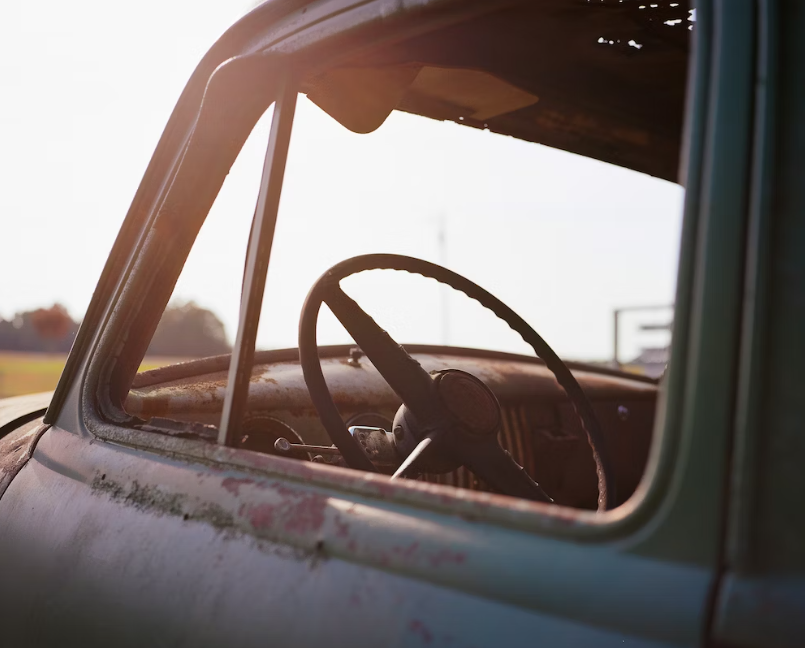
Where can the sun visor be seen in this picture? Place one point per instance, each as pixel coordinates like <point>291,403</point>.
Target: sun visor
<point>479,95</point>
<point>362,98</point>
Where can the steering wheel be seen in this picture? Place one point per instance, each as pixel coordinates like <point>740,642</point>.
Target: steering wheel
<point>448,418</point>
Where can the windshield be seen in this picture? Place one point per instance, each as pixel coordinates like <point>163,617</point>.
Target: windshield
<point>564,240</point>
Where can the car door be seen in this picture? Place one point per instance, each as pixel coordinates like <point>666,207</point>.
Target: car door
<point>761,595</point>
<point>114,534</point>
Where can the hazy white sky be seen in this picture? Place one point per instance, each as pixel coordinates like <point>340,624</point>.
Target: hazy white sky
<point>88,87</point>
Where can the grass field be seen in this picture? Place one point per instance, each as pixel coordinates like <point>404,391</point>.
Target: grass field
<point>28,373</point>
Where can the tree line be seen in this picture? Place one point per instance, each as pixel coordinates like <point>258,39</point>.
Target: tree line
<point>185,330</point>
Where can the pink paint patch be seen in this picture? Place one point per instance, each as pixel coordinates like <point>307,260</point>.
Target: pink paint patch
<point>233,485</point>
<point>306,515</point>
<point>261,516</point>
<point>298,513</point>
<point>406,553</point>
<point>447,556</point>
<point>341,528</point>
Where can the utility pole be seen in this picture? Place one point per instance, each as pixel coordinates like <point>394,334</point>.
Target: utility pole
<point>442,243</point>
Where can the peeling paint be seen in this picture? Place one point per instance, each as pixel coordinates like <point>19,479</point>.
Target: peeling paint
<point>408,552</point>
<point>233,484</point>
<point>216,515</point>
<point>143,498</point>
<point>297,512</point>
<point>341,528</point>
<point>447,556</point>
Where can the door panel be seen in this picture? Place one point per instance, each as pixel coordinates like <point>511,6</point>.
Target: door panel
<point>761,600</point>
<point>112,544</point>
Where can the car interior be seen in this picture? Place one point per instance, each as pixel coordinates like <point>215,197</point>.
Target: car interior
<point>604,80</point>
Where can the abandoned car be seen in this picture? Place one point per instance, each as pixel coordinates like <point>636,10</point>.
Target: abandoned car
<point>378,494</point>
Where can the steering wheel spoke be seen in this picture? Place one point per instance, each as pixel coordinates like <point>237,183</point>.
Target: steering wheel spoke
<point>403,374</point>
<point>491,463</point>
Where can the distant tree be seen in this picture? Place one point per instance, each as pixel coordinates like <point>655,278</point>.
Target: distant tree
<point>51,323</point>
<point>49,330</point>
<point>187,330</point>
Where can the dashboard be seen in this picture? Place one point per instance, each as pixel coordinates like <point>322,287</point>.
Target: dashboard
<point>539,426</point>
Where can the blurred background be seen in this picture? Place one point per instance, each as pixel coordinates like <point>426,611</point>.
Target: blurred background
<point>584,251</point>
<point>87,88</point>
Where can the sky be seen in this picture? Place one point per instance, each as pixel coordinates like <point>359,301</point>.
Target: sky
<point>89,86</point>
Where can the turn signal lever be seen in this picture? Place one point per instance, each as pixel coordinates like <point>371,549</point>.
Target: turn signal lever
<point>376,443</point>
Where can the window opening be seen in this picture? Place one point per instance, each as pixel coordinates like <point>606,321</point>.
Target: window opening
<point>544,230</point>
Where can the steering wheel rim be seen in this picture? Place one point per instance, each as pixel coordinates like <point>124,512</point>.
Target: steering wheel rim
<point>327,290</point>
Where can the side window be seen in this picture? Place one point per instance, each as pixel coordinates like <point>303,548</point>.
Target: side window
<point>579,238</point>
<point>202,317</point>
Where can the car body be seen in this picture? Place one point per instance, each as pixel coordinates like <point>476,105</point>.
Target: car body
<point>128,517</point>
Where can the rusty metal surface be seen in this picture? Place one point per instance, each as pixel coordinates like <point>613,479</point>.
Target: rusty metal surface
<point>539,427</point>
<point>137,549</point>
<point>16,448</point>
<point>615,94</point>
<point>20,409</point>
<point>555,521</point>
<point>281,386</point>
<point>379,446</point>
<point>213,364</point>
<point>107,548</point>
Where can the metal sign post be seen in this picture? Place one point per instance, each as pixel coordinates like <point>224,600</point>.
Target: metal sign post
<point>616,314</point>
